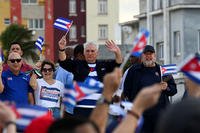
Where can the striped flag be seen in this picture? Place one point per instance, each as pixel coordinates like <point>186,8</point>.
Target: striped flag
<point>27,113</point>
<point>140,42</point>
<point>77,91</point>
<point>191,67</point>
<point>1,55</point>
<point>63,24</point>
<point>168,69</point>
<point>39,43</point>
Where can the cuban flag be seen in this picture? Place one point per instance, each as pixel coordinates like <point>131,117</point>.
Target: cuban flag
<point>39,43</point>
<point>140,42</point>
<point>168,69</point>
<point>1,55</point>
<point>80,90</point>
<point>191,67</point>
<point>63,24</point>
<point>26,113</point>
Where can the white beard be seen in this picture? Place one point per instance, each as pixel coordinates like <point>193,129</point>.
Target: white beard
<point>149,63</point>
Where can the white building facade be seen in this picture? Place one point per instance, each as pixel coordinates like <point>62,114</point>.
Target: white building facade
<point>102,19</point>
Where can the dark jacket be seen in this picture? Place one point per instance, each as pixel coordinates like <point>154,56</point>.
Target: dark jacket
<point>139,77</point>
<point>80,68</point>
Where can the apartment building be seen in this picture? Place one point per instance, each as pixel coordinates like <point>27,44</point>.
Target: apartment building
<point>103,21</point>
<point>174,27</point>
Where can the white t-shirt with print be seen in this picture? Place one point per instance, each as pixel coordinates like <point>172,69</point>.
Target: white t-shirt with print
<point>48,95</point>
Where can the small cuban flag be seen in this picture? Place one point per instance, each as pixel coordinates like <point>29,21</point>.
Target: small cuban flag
<point>63,24</point>
<point>168,69</point>
<point>191,67</point>
<point>79,90</point>
<point>26,113</point>
<point>1,55</point>
<point>140,42</point>
<point>39,43</point>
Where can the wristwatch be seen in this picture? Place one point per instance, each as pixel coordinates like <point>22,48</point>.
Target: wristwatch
<point>103,100</point>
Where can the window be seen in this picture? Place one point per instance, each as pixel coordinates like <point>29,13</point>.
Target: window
<point>103,32</point>
<point>82,31</point>
<point>198,40</point>
<point>82,5</point>
<point>6,21</point>
<point>72,6</point>
<point>102,7</point>
<point>29,1</point>
<point>160,51</point>
<point>72,33</point>
<point>177,43</point>
<point>36,24</point>
<point>157,4</point>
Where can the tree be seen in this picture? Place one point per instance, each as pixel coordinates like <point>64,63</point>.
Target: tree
<point>18,33</point>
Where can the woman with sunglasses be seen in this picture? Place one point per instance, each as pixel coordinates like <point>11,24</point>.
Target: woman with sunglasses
<point>48,91</point>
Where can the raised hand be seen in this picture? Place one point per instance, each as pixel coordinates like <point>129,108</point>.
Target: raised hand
<point>111,82</point>
<point>111,46</point>
<point>147,97</point>
<point>62,43</point>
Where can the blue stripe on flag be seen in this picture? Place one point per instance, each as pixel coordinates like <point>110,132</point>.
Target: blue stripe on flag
<point>61,23</point>
<point>1,55</point>
<point>169,69</point>
<point>28,113</point>
<point>39,43</point>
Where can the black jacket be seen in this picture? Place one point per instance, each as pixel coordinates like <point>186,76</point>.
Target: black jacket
<point>80,68</point>
<point>139,77</point>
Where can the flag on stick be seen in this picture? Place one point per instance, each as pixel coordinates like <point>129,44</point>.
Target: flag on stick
<point>39,43</point>
<point>63,24</point>
<point>168,69</point>
<point>139,44</point>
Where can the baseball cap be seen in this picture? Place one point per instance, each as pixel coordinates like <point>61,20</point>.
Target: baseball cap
<point>149,48</point>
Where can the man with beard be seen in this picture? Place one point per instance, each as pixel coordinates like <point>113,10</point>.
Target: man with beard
<point>145,74</point>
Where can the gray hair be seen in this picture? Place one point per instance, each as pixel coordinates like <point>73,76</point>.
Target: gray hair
<point>90,43</point>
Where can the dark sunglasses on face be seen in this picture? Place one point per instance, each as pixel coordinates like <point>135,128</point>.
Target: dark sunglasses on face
<point>15,60</point>
<point>47,69</point>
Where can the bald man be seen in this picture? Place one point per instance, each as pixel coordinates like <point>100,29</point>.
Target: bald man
<point>14,84</point>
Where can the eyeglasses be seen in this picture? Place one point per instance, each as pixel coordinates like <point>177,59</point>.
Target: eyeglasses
<point>15,60</point>
<point>47,69</point>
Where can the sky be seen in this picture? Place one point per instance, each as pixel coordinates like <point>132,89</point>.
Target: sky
<point>128,9</point>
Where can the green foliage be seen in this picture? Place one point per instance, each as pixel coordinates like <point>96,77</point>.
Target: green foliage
<point>20,34</point>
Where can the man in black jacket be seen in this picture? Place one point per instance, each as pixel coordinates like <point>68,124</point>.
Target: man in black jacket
<point>90,67</point>
<point>82,68</point>
<point>146,74</point>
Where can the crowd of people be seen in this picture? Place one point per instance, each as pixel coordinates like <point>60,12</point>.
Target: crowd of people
<point>141,85</point>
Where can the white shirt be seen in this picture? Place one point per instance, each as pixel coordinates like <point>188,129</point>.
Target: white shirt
<point>48,95</point>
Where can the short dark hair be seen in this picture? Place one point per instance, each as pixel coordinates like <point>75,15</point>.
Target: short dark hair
<point>14,43</point>
<point>79,49</point>
<point>68,125</point>
<point>48,62</point>
<point>183,117</point>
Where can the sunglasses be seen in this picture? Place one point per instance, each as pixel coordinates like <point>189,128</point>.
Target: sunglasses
<point>47,69</point>
<point>15,60</point>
